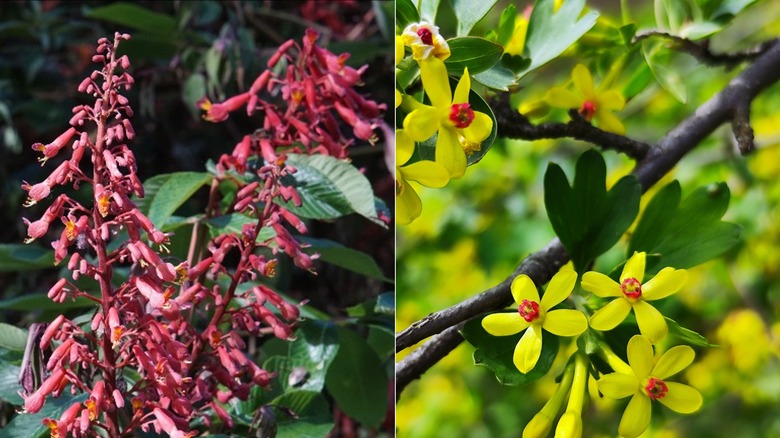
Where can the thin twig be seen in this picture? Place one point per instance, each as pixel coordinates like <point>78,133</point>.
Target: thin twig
<point>512,124</point>
<point>701,50</point>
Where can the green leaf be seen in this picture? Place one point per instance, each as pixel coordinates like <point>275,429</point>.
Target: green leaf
<point>12,337</point>
<point>234,223</point>
<point>30,302</point>
<point>478,54</point>
<point>687,336</point>
<point>193,90</point>
<point>18,257</point>
<point>166,193</point>
<point>496,77</point>
<point>331,188</point>
<point>30,426</point>
<point>313,418</point>
<point>135,17</point>
<point>549,33</point>
<point>731,7</point>
<point>495,353</point>
<point>684,234</point>
<point>428,9</point>
<point>405,13</point>
<point>699,30</point>
<point>587,218</point>
<point>9,376</point>
<point>666,77</point>
<point>506,24</point>
<point>470,12</point>
<point>357,380</point>
<point>627,32</point>
<point>350,259</point>
<point>309,358</point>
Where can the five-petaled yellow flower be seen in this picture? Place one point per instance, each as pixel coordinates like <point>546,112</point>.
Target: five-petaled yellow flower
<point>646,382</point>
<point>534,315</point>
<point>426,41</point>
<point>632,294</point>
<point>425,172</point>
<point>451,116</point>
<point>591,103</point>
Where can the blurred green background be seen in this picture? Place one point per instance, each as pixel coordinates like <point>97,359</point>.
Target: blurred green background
<point>474,232</point>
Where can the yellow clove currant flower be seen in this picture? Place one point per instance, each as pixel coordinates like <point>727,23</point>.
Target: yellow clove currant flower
<point>590,102</point>
<point>458,125</point>
<point>632,294</point>
<point>534,314</point>
<point>645,381</point>
<point>425,172</point>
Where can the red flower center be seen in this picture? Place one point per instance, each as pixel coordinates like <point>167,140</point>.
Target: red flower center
<point>656,388</point>
<point>461,115</point>
<point>632,288</point>
<point>529,310</point>
<point>425,35</point>
<point>587,110</point>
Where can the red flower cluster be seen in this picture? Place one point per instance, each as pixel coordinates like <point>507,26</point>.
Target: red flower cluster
<point>318,89</point>
<point>147,323</point>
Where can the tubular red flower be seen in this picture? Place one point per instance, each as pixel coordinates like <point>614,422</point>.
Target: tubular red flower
<point>34,402</point>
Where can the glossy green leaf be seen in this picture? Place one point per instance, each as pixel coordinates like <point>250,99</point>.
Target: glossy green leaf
<point>30,426</point>
<point>12,337</point>
<point>193,90</point>
<point>496,77</point>
<point>666,77</point>
<point>16,257</point>
<point>135,17</point>
<point>627,32</point>
<point>684,234</point>
<point>550,33</point>
<point>428,9</point>
<point>40,301</point>
<point>587,218</point>
<point>731,7</point>
<point>350,259</point>
<point>495,353</point>
<point>687,336</point>
<point>9,384</point>
<point>470,12</point>
<point>234,223</point>
<point>331,188</point>
<point>405,13</point>
<point>313,417</point>
<point>699,30</point>
<point>506,24</point>
<point>166,193</point>
<point>357,380</point>
<point>309,358</point>
<point>478,54</point>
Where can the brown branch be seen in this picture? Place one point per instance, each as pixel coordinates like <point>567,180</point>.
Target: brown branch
<point>512,124</point>
<point>701,50</point>
<point>541,265</point>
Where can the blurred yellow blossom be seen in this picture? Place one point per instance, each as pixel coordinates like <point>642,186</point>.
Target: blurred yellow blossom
<point>590,102</point>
